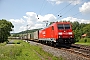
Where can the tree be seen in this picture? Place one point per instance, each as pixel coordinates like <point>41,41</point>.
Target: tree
<point>15,35</point>
<point>75,25</point>
<point>51,23</point>
<point>86,30</point>
<point>78,29</point>
<point>88,34</point>
<point>5,28</point>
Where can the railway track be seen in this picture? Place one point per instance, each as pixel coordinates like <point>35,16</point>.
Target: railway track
<point>82,46</point>
<point>76,49</point>
<point>80,50</point>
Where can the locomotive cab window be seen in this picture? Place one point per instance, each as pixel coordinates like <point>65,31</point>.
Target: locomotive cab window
<point>60,26</point>
<point>52,28</point>
<point>67,26</point>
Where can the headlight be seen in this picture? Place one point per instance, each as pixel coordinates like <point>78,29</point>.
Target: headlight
<point>60,33</point>
<point>70,33</point>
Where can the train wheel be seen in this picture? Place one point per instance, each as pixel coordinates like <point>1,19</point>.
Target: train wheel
<point>39,41</point>
<point>48,43</point>
<point>45,42</point>
<point>42,41</point>
<point>56,44</point>
<point>52,44</point>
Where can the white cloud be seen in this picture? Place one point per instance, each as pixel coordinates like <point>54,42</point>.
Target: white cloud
<point>72,19</point>
<point>22,28</point>
<point>17,21</point>
<point>85,8</point>
<point>33,22</point>
<point>55,1</point>
<point>48,17</point>
<point>30,17</point>
<point>17,24</point>
<point>31,14</point>
<point>73,2</point>
<point>36,26</point>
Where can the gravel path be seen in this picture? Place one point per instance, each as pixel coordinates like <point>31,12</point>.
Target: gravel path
<point>58,52</point>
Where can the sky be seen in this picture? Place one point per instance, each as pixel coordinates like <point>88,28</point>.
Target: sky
<point>34,13</point>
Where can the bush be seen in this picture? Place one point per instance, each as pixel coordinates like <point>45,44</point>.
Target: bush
<point>85,40</point>
<point>18,42</point>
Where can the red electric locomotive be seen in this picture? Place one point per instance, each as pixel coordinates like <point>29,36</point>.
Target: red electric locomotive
<point>57,33</point>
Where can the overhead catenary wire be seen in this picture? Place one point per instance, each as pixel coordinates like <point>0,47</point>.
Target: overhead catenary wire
<point>42,7</point>
<point>72,8</point>
<point>51,9</point>
<point>69,10</point>
<point>63,8</point>
<point>44,4</point>
<point>72,15</point>
<point>66,12</point>
<point>76,14</point>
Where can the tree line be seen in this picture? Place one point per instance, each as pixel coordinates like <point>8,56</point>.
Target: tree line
<point>79,29</point>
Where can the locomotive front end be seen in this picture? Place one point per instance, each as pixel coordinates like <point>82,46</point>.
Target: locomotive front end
<point>65,33</point>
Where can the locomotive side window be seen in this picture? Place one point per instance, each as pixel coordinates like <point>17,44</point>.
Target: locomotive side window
<point>67,26</point>
<point>52,28</point>
<point>60,26</point>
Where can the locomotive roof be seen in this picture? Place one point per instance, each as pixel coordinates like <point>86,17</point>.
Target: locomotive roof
<point>63,22</point>
<point>60,23</point>
<point>57,23</point>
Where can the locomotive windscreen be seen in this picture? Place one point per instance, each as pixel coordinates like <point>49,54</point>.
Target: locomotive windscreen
<point>63,26</point>
<point>60,26</point>
<point>67,26</point>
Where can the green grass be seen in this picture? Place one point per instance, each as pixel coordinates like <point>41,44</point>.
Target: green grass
<point>24,51</point>
<point>84,41</point>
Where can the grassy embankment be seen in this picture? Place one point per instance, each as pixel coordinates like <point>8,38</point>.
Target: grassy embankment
<point>21,50</point>
<point>84,41</point>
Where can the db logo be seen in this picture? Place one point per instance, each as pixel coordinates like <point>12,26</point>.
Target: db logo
<point>43,32</point>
